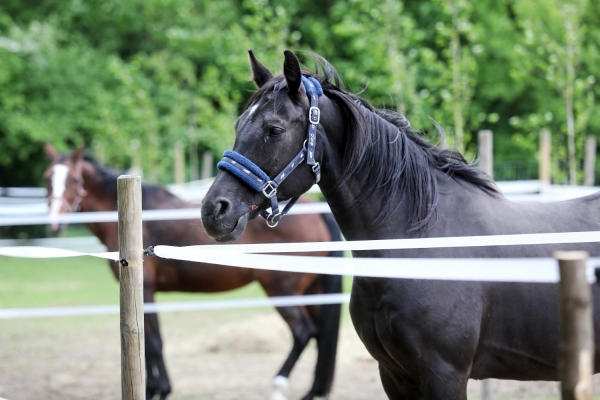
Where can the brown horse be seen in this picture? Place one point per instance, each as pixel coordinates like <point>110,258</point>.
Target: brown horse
<point>78,184</point>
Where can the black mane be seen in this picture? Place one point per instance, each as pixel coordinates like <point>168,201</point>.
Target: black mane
<point>389,154</point>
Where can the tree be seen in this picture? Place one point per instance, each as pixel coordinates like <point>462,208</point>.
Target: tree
<point>556,41</point>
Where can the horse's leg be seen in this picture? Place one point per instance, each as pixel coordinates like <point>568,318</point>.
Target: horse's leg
<point>303,329</point>
<point>297,318</point>
<point>157,379</point>
<point>425,346</point>
<point>437,382</point>
<point>443,381</point>
<point>396,390</point>
<point>327,321</point>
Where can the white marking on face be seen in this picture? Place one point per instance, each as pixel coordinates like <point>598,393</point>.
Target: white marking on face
<point>252,109</point>
<point>59,183</point>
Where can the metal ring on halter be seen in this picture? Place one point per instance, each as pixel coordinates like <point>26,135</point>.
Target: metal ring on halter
<point>270,222</point>
<point>314,167</point>
<point>304,144</point>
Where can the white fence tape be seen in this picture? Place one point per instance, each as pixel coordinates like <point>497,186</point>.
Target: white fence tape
<point>385,244</point>
<point>390,244</point>
<point>461,269</point>
<point>22,213</point>
<point>471,269</point>
<point>49,252</point>
<point>23,191</point>
<point>87,244</point>
<point>279,301</point>
<point>491,270</point>
<point>147,215</point>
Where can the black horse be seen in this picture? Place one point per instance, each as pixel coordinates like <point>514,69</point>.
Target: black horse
<point>382,181</point>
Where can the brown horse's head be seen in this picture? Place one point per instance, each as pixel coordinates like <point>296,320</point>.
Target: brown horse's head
<point>64,182</point>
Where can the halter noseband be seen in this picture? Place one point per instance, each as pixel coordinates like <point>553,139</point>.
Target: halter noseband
<point>251,174</point>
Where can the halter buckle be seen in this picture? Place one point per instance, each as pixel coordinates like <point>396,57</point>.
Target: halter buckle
<point>317,171</point>
<point>269,190</point>
<point>314,115</point>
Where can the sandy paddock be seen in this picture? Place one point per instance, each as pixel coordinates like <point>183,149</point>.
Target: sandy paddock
<point>227,355</point>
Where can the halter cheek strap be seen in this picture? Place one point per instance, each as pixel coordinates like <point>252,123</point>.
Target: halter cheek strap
<point>253,176</point>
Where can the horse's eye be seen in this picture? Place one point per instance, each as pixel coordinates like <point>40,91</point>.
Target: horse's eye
<point>276,131</point>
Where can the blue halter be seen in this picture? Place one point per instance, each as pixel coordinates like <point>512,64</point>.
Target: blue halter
<point>249,173</point>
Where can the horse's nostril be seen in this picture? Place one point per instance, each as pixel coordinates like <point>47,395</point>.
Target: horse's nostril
<point>223,207</point>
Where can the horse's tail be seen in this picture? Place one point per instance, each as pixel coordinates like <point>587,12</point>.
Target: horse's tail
<point>328,323</point>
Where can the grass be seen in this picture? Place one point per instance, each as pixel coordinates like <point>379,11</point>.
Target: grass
<point>82,281</point>
<point>56,282</point>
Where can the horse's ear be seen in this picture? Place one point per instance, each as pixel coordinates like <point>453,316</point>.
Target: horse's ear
<point>50,151</point>
<point>77,154</point>
<point>260,73</point>
<point>292,72</point>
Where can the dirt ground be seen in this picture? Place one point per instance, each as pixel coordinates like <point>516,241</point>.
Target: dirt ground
<point>227,355</point>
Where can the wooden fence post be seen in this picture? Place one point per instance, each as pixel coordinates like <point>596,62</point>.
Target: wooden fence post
<point>179,157</point>
<point>589,163</point>
<point>193,155</point>
<point>486,164</point>
<point>207,165</point>
<point>486,152</point>
<point>133,368</point>
<point>576,342</point>
<point>544,161</point>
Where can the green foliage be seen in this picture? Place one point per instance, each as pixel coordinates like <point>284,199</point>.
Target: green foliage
<point>131,78</point>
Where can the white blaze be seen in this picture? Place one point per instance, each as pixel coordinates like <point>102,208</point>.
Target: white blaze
<point>59,182</point>
<point>252,109</point>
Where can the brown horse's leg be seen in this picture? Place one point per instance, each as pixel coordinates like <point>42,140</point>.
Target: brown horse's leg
<point>303,329</point>
<point>298,319</point>
<point>327,321</point>
<point>157,379</point>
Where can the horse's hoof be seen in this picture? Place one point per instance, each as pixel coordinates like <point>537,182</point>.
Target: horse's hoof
<point>281,386</point>
<point>277,395</point>
<point>313,396</point>
<point>150,393</point>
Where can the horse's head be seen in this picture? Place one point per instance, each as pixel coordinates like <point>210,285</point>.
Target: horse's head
<point>64,182</point>
<point>270,134</point>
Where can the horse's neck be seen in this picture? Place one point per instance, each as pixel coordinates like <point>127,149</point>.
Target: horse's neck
<point>364,219</point>
<point>460,205</point>
<point>355,222</point>
<point>99,199</point>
